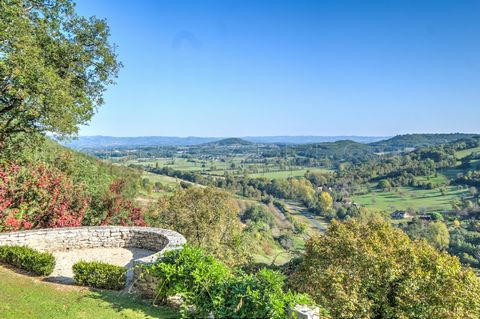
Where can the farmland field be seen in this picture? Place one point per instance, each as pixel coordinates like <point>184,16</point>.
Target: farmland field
<point>408,197</point>
<point>467,152</point>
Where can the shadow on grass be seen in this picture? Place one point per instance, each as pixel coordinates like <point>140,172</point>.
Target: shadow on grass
<point>121,301</point>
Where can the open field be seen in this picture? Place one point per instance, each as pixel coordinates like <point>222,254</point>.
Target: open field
<point>286,174</point>
<point>408,197</point>
<point>233,165</point>
<point>25,297</point>
<point>437,180</point>
<point>465,153</point>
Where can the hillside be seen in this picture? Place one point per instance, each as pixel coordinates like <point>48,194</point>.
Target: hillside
<point>401,142</point>
<point>59,187</point>
<point>345,150</point>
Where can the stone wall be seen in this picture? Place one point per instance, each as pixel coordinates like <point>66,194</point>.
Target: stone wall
<point>155,239</point>
<point>60,239</point>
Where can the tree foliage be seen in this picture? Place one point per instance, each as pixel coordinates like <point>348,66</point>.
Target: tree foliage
<point>371,270</point>
<point>54,67</point>
<point>207,217</point>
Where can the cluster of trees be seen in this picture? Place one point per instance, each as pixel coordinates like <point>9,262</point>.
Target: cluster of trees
<point>373,269</point>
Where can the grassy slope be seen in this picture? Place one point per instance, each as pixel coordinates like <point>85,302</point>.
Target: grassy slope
<point>25,297</point>
<point>465,153</point>
<point>408,197</point>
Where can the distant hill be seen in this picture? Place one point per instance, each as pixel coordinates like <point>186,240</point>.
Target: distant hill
<point>311,139</point>
<point>338,151</point>
<point>228,142</point>
<point>99,142</point>
<point>401,142</point>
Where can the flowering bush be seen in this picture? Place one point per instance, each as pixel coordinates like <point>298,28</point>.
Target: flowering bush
<point>36,196</point>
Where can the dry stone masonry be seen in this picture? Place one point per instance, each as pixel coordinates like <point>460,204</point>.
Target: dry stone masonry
<point>63,239</point>
<point>155,239</point>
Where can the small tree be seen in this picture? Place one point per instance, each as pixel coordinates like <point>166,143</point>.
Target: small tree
<point>325,201</point>
<point>207,217</point>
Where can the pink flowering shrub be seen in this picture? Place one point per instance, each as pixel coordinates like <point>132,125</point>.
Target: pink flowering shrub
<point>35,196</point>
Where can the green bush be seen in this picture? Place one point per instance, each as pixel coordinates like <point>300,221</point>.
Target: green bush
<point>28,259</point>
<point>99,275</point>
<point>211,287</point>
<point>258,214</point>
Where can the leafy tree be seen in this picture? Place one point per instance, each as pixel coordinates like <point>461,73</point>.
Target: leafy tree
<point>325,201</point>
<point>372,270</point>
<point>385,185</point>
<point>54,67</point>
<point>207,217</point>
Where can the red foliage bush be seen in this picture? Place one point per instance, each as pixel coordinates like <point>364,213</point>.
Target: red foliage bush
<point>41,197</point>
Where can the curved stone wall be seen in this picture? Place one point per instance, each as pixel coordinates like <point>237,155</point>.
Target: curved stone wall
<point>58,239</point>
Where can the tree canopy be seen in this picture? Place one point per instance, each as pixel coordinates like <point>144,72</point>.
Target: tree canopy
<point>54,67</point>
<point>372,270</point>
<point>207,217</point>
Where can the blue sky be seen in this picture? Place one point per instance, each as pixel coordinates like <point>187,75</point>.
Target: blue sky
<point>236,68</point>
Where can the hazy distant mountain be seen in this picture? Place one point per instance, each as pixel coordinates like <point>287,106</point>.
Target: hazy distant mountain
<point>99,141</point>
<point>312,139</point>
<point>113,141</point>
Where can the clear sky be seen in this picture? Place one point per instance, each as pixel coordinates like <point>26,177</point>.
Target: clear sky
<point>236,68</point>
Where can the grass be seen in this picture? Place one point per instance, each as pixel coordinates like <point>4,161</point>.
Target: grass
<point>440,179</point>
<point>465,153</point>
<point>286,174</point>
<point>408,197</point>
<point>25,297</point>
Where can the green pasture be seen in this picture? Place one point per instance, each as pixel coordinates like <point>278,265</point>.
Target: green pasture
<point>465,153</point>
<point>287,173</point>
<point>408,197</point>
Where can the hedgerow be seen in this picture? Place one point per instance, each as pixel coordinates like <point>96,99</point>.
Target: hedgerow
<point>26,258</point>
<point>99,275</point>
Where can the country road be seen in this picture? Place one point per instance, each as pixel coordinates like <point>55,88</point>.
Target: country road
<point>297,207</point>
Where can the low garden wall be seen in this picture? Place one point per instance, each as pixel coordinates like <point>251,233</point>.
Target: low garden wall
<point>154,239</point>
<point>60,239</point>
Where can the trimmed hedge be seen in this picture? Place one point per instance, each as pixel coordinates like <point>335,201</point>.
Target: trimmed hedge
<point>100,275</point>
<point>26,258</point>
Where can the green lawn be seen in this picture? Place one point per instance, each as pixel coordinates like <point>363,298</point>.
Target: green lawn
<point>25,297</point>
<point>408,197</point>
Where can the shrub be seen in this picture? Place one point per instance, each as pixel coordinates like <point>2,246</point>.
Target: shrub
<point>26,258</point>
<point>258,214</point>
<point>100,275</point>
<point>212,288</point>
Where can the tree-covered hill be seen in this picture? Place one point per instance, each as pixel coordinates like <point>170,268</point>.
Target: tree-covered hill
<point>401,142</point>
